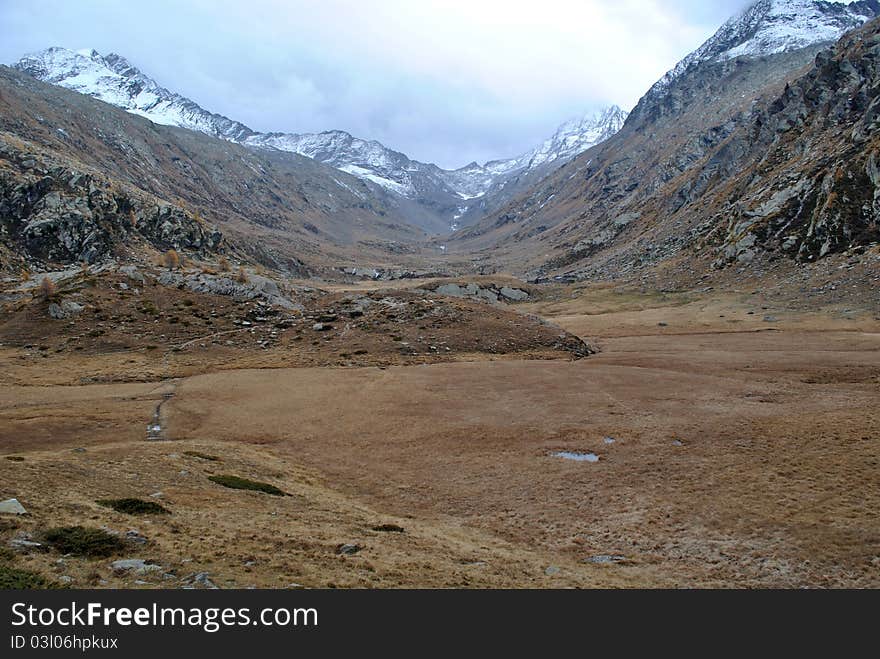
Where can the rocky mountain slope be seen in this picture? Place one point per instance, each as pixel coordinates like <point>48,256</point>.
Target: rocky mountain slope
<point>441,194</point>
<point>727,158</point>
<point>79,178</point>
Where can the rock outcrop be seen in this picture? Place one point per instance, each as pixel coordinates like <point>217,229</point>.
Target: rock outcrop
<point>56,212</point>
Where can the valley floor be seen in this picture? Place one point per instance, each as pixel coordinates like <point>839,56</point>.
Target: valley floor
<point>738,446</point>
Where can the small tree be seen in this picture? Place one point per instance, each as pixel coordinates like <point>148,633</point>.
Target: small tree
<point>172,259</point>
<point>47,288</point>
<point>241,276</point>
<point>224,264</point>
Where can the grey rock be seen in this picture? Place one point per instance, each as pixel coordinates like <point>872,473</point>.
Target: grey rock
<point>135,537</point>
<point>348,549</point>
<point>132,273</point>
<point>514,294</point>
<point>12,507</point>
<point>136,566</point>
<point>23,544</point>
<point>200,580</point>
<point>605,559</point>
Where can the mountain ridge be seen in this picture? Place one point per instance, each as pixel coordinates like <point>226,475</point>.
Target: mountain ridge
<point>644,196</point>
<point>113,79</point>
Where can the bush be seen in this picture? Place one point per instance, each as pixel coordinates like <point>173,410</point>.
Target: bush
<point>223,264</point>
<point>82,541</point>
<point>48,289</point>
<point>241,276</point>
<point>237,483</point>
<point>134,506</point>
<point>171,259</point>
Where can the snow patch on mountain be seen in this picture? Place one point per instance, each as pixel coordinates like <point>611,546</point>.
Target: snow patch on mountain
<point>770,27</point>
<point>114,80</point>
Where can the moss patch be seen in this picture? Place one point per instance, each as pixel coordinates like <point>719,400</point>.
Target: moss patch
<point>237,483</point>
<point>202,456</point>
<point>389,528</point>
<point>134,506</point>
<point>82,541</point>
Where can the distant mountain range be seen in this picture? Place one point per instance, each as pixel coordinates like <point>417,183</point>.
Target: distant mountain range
<point>113,79</point>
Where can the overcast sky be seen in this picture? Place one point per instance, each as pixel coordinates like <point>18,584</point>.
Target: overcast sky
<point>443,81</point>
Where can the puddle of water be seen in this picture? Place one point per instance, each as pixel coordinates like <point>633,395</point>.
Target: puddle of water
<point>577,457</point>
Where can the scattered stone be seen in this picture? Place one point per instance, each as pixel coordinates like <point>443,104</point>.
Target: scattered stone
<point>23,544</point>
<point>132,273</point>
<point>678,442</point>
<point>771,319</point>
<point>610,440</point>
<point>136,566</point>
<point>552,571</point>
<point>605,559</point>
<point>348,549</point>
<point>200,580</point>
<point>12,507</point>
<point>67,309</point>
<point>79,450</point>
<point>135,537</point>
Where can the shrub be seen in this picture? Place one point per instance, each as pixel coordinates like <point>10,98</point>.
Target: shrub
<point>82,541</point>
<point>223,264</point>
<point>171,259</point>
<point>48,289</point>
<point>134,506</point>
<point>237,483</point>
<point>14,579</point>
<point>241,276</point>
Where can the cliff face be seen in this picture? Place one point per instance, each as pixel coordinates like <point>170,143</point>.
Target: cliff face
<point>51,211</point>
<point>807,181</point>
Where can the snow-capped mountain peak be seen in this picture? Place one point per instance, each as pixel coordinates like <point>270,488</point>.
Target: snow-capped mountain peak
<point>114,80</point>
<point>576,136</point>
<point>770,27</point>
